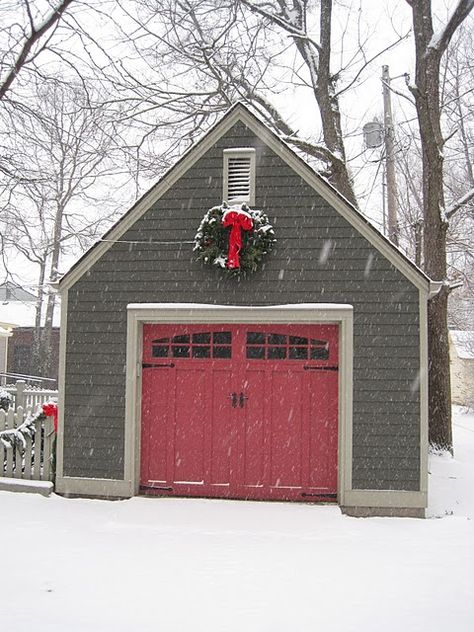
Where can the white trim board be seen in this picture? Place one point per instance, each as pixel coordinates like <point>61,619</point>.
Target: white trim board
<point>385,498</point>
<point>100,487</point>
<point>423,379</point>
<point>323,188</point>
<point>61,386</point>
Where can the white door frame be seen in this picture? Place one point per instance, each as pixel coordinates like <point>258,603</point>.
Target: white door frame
<point>311,313</point>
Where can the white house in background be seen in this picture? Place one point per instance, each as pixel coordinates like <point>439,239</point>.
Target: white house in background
<point>462,367</point>
<point>17,320</point>
<point>17,306</point>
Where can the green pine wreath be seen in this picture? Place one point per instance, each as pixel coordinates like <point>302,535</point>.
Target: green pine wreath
<point>212,239</point>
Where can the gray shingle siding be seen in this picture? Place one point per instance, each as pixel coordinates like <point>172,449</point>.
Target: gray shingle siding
<point>386,313</point>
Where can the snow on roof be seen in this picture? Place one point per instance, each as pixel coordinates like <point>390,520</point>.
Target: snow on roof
<point>22,314</point>
<point>12,291</point>
<point>464,343</point>
<point>289,307</point>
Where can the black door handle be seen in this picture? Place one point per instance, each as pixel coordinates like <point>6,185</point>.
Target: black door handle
<point>153,365</point>
<point>233,399</point>
<point>242,399</point>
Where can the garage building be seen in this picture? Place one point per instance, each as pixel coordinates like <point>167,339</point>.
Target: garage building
<point>304,380</point>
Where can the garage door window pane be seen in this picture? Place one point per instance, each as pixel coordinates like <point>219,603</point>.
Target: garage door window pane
<point>222,337</point>
<point>160,351</point>
<point>256,353</point>
<point>276,353</point>
<point>222,352</point>
<point>201,352</point>
<point>184,339</point>
<point>277,339</point>
<point>180,352</point>
<point>201,339</point>
<point>298,340</point>
<point>320,353</point>
<point>255,338</point>
<point>298,353</point>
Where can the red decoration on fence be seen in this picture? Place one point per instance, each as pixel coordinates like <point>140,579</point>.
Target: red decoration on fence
<point>239,220</point>
<point>51,410</point>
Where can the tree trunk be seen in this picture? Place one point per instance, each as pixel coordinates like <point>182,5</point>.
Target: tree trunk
<point>46,344</point>
<point>426,92</point>
<point>37,333</point>
<point>439,393</point>
<point>46,339</point>
<point>328,102</point>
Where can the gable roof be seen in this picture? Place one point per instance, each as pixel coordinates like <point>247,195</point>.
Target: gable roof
<point>239,112</point>
<point>12,292</point>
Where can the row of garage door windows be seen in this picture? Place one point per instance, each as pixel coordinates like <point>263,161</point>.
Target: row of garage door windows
<point>259,346</point>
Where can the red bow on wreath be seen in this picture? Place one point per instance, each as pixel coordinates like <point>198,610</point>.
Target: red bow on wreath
<point>51,410</point>
<point>239,220</point>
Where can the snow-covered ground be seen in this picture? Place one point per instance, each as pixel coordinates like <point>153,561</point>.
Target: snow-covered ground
<point>217,566</point>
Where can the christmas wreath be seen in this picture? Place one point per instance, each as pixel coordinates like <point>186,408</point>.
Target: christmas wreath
<point>234,238</point>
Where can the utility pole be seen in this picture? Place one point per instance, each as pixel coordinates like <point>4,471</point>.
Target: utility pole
<point>389,158</point>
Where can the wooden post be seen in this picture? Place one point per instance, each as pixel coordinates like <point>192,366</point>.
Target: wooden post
<point>9,452</point>
<point>390,158</point>
<point>49,435</point>
<point>38,455</point>
<point>20,394</point>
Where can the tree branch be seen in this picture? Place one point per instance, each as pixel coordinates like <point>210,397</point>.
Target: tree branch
<point>459,204</point>
<point>284,24</point>
<point>370,60</point>
<point>441,39</point>
<point>35,35</point>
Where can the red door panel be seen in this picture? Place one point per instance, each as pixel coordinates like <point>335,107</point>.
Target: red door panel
<point>240,411</point>
<point>156,416</point>
<point>323,390</point>
<point>222,435</point>
<point>286,428</point>
<point>251,421</point>
<point>191,391</point>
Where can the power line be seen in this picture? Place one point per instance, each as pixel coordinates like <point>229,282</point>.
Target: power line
<point>148,241</point>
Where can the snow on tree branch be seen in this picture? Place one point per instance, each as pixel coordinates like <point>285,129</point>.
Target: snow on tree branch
<point>459,204</point>
<point>274,118</point>
<point>284,21</point>
<point>441,38</point>
<point>318,151</point>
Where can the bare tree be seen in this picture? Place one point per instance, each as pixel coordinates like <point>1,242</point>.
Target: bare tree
<point>51,205</point>
<point>292,18</point>
<point>198,57</point>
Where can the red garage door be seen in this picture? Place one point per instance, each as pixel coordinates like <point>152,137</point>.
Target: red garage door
<point>240,411</point>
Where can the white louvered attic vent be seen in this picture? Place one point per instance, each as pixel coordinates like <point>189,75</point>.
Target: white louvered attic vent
<point>239,175</point>
<point>239,178</point>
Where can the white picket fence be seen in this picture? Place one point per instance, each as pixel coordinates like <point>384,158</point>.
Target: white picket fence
<point>31,459</point>
<point>29,397</point>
